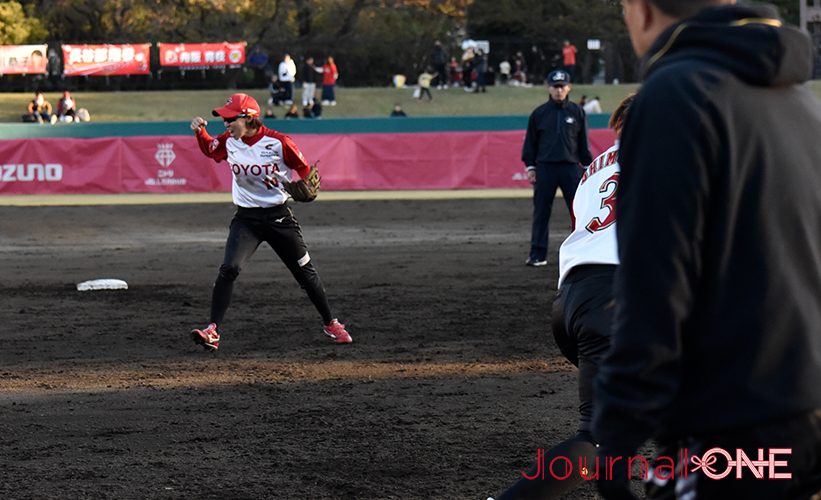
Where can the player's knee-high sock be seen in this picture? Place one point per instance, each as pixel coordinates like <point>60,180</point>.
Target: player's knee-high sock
<point>316,292</point>
<point>551,487</point>
<point>221,298</point>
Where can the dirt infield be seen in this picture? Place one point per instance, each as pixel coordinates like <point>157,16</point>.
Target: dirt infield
<point>450,386</point>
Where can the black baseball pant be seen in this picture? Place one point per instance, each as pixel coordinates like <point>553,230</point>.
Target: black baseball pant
<point>581,324</point>
<point>549,177</point>
<point>278,227</point>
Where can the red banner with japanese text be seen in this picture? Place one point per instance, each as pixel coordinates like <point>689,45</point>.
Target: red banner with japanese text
<point>23,59</point>
<point>104,60</point>
<point>198,55</point>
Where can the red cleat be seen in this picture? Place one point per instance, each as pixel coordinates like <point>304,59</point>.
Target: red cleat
<point>208,338</point>
<point>336,331</point>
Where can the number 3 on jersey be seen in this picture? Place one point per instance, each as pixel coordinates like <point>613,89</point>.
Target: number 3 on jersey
<point>609,201</point>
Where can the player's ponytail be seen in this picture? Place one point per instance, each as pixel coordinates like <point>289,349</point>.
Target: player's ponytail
<point>616,122</point>
<point>254,123</point>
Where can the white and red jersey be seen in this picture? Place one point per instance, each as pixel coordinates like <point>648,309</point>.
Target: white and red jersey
<point>253,160</point>
<point>593,240</point>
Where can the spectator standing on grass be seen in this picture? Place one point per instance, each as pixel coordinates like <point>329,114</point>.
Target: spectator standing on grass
<point>455,72</point>
<point>261,159</point>
<point>569,59</point>
<point>480,65</point>
<point>55,68</point>
<point>467,68</point>
<point>520,69</point>
<point>582,316</point>
<point>258,60</point>
<point>504,71</point>
<point>555,147</point>
<point>717,332</point>
<point>310,75</point>
<point>440,60</point>
<point>424,85</point>
<point>397,111</point>
<point>329,77</point>
<point>287,77</point>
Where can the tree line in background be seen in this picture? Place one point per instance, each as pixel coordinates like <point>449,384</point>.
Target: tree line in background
<point>370,40</point>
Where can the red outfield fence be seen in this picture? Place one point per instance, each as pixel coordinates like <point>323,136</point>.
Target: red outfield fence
<point>358,160</point>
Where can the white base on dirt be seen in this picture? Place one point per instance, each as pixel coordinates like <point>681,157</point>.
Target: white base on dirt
<point>102,284</point>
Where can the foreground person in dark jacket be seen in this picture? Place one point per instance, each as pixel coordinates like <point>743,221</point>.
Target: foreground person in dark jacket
<point>717,336</point>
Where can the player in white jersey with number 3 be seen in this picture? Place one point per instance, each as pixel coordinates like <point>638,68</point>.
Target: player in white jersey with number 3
<point>593,240</point>
<point>583,313</point>
<point>260,159</point>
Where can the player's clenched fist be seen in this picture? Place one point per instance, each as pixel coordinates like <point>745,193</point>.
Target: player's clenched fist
<point>197,123</point>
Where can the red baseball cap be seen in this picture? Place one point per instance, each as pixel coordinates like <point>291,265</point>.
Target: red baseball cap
<point>238,104</point>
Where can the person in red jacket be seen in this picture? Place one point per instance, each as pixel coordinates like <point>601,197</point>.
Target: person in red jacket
<point>569,58</point>
<point>329,78</point>
<point>67,109</point>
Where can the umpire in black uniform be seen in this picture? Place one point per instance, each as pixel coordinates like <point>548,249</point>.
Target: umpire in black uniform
<point>555,148</point>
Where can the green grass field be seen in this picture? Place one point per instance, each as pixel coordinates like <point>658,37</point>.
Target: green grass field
<point>352,102</point>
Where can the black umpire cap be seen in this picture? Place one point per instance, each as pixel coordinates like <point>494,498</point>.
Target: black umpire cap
<point>558,77</point>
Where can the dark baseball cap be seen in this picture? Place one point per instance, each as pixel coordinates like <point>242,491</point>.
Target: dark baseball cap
<point>558,77</point>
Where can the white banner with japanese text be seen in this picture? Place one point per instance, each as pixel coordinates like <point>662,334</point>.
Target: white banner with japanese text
<point>23,59</point>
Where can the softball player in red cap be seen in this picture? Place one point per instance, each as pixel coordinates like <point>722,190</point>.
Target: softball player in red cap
<point>260,159</point>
